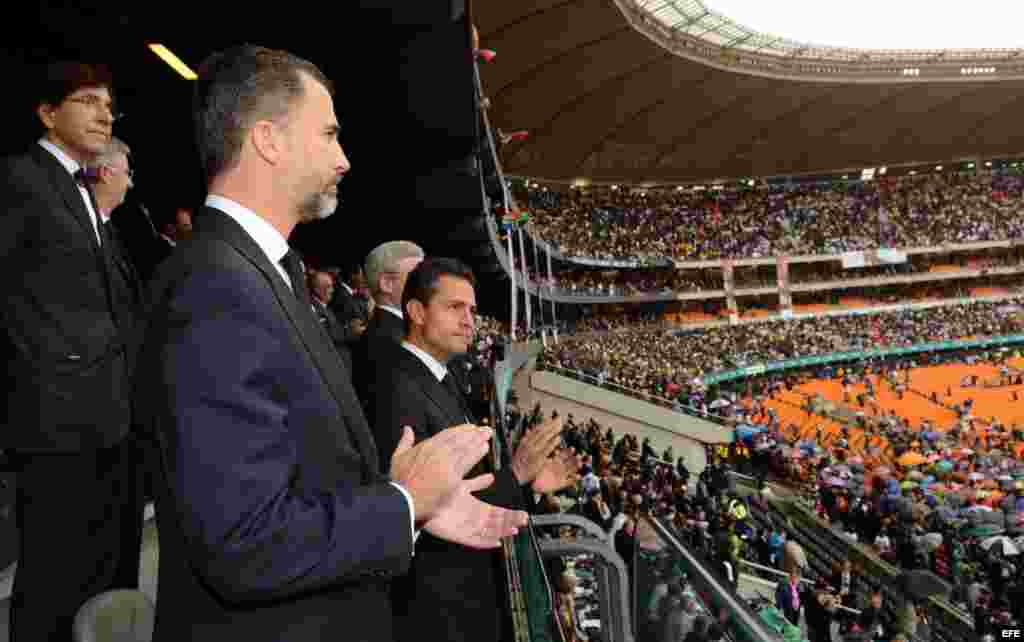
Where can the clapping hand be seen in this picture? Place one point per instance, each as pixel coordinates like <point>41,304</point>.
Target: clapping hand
<point>534,450</point>
<point>433,470</point>
<point>560,471</point>
<point>466,520</point>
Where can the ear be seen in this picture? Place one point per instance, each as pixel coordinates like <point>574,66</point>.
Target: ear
<point>45,111</point>
<point>267,140</point>
<point>417,312</point>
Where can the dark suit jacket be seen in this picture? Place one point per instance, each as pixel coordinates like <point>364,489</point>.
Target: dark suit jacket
<point>453,593</point>
<point>334,330</point>
<point>383,334</point>
<point>67,316</point>
<point>347,306</point>
<point>272,513</point>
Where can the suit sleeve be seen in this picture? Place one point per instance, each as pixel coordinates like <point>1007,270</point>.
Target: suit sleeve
<point>390,413</point>
<point>232,458</point>
<point>20,203</point>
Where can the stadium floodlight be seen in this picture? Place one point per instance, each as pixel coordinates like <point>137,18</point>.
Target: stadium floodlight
<point>970,165</point>
<point>174,62</point>
<point>938,168</point>
<point>988,163</point>
<point>912,172</point>
<point>883,170</point>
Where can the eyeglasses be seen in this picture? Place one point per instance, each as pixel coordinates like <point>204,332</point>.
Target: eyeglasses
<point>96,103</point>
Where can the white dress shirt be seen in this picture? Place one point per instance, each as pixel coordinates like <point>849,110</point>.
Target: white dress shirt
<point>275,246</point>
<point>436,368</point>
<point>392,309</point>
<point>73,166</point>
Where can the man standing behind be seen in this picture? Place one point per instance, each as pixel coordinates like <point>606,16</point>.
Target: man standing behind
<point>387,267</point>
<point>452,592</point>
<point>273,514</point>
<point>66,337</point>
<point>111,177</point>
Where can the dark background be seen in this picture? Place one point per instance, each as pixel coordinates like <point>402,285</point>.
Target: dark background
<point>405,99</point>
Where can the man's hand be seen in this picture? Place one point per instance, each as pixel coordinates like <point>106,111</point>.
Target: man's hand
<point>358,326</point>
<point>433,470</point>
<point>561,471</point>
<point>534,449</point>
<point>466,520</point>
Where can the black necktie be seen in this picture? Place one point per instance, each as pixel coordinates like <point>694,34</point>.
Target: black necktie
<point>453,387</point>
<point>83,181</point>
<point>293,266</point>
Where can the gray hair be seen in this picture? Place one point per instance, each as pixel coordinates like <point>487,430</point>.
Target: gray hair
<point>385,258</point>
<point>116,147</point>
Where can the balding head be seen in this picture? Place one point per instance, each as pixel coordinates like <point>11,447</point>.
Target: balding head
<point>387,267</point>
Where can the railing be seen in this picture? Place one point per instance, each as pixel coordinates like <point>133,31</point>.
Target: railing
<point>953,624</point>
<point>675,406</point>
<point>715,592</point>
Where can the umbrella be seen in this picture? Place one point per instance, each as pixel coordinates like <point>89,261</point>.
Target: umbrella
<point>835,481</point>
<point>911,458</point>
<point>915,475</point>
<point>975,477</point>
<point>908,484</point>
<point>933,457</point>
<point>1002,543</point>
<point>978,507</point>
<point>855,460</point>
<point>944,466</point>
<point>882,470</point>
<point>922,584</point>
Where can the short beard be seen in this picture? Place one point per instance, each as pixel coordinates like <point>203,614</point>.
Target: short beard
<point>317,207</point>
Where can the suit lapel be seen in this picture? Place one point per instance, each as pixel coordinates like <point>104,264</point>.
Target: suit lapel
<point>68,190</point>
<point>323,354</point>
<point>434,390</point>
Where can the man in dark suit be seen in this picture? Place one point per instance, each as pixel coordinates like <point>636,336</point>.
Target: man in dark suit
<point>351,307</point>
<point>68,325</point>
<point>275,521</point>
<point>321,286</point>
<point>451,591</point>
<point>387,267</point>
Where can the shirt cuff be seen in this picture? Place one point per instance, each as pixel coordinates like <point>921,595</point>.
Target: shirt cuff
<point>412,512</point>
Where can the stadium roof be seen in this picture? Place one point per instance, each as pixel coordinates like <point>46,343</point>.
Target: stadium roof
<point>609,93</point>
<point>869,27</point>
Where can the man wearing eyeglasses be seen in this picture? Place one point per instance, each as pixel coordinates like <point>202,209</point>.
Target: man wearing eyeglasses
<point>66,336</point>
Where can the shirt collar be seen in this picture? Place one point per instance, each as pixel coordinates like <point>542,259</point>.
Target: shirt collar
<point>69,163</point>
<point>266,236</point>
<point>436,368</point>
<point>392,309</point>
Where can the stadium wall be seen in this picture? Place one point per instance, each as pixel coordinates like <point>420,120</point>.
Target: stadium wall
<point>687,435</point>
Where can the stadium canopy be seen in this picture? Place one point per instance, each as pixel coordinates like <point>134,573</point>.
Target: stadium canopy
<point>905,26</point>
<point>611,91</point>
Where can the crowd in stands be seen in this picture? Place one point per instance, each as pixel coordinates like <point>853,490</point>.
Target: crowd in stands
<point>671,365</point>
<point>949,502</point>
<point>621,479</point>
<point>660,226</point>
